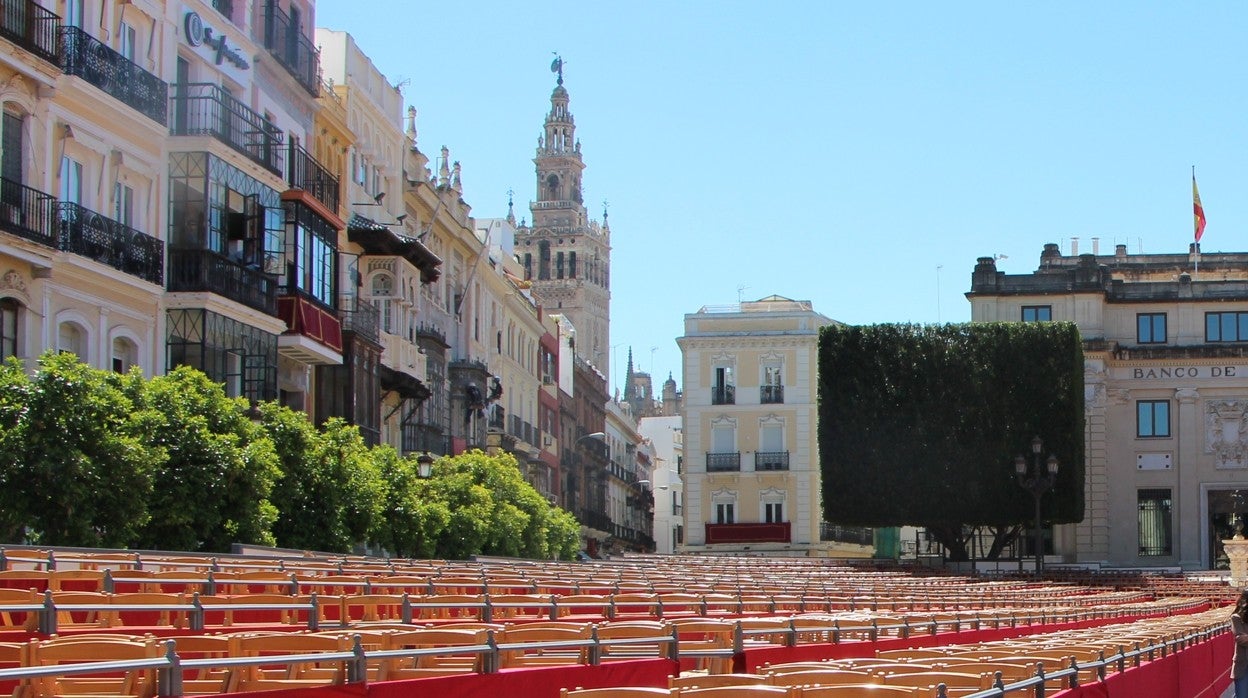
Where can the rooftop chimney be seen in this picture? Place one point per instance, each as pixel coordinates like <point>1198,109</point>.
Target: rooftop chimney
<point>1074,247</point>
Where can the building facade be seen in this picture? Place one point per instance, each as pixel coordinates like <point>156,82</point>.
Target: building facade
<point>751,476</point>
<point>1166,396</point>
<point>565,255</point>
<point>666,438</point>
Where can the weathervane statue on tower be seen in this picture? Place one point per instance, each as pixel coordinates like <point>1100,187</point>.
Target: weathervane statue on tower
<point>556,66</point>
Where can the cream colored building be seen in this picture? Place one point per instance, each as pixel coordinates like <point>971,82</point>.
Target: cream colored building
<point>751,477</point>
<point>1166,396</point>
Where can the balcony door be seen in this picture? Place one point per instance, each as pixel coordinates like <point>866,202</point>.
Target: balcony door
<point>11,143</point>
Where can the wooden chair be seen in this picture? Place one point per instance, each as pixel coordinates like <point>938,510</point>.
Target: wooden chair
<point>591,607</point>
<point>632,629</point>
<point>448,664</point>
<point>930,679</point>
<point>535,632</point>
<point>614,692</point>
<point>753,691</point>
<point>443,607</point>
<point>135,683</point>
<point>19,619</point>
<point>204,680</point>
<point>371,608</point>
<point>863,690</point>
<point>822,677</point>
<point>706,635</point>
<point>715,680</point>
<point>299,674</point>
<point>162,617</point>
<point>521,607</point>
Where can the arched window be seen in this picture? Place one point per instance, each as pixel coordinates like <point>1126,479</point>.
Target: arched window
<point>382,292</point>
<point>125,354</point>
<point>72,338</point>
<point>10,319</point>
<point>543,258</point>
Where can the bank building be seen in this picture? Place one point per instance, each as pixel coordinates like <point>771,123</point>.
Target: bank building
<point>1166,396</point>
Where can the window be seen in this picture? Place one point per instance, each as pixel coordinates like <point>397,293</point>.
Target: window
<point>1152,418</point>
<point>1226,327</point>
<point>571,265</point>
<point>1037,313</point>
<point>1150,328</point>
<point>123,205</point>
<point>723,391</point>
<point>382,290</point>
<point>1154,522</point>
<point>311,249</point>
<point>773,512</point>
<point>559,265</point>
<point>11,158</point>
<point>771,390</point>
<point>724,513</point>
<point>10,311</point>
<point>73,14</point>
<point>71,339</point>
<point>125,355</point>
<point>126,41</point>
<point>71,180</point>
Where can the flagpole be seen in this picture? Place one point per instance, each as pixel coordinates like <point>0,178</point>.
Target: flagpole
<point>1196,243</point>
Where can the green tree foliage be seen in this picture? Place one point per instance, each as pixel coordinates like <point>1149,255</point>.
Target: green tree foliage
<point>214,488</point>
<point>473,504</point>
<point>920,425</point>
<point>412,521</point>
<point>75,471</point>
<point>330,490</point>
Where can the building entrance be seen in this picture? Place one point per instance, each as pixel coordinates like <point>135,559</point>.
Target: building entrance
<point>1226,514</point>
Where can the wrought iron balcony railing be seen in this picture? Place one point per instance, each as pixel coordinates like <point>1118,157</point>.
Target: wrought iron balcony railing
<point>361,317</point>
<point>724,395</point>
<point>771,460</point>
<point>27,24</point>
<point>846,534</point>
<point>771,394</point>
<point>296,52</point>
<point>94,236</point>
<point>304,172</point>
<point>205,270</point>
<point>723,462</point>
<point>27,212</point>
<point>83,55</point>
<point>204,109</point>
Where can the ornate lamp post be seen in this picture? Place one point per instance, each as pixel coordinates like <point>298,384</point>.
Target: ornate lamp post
<point>1039,480</point>
<point>424,464</point>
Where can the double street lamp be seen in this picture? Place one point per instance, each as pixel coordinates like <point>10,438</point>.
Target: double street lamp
<point>1037,480</point>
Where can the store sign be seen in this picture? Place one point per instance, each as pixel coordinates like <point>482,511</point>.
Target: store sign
<point>1165,372</point>
<point>199,34</point>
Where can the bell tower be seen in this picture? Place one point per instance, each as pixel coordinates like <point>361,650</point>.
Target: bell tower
<point>566,255</point>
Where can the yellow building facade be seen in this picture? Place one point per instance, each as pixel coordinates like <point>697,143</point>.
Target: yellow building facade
<point>751,476</point>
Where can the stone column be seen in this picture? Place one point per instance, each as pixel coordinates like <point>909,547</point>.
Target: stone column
<point>1237,550</point>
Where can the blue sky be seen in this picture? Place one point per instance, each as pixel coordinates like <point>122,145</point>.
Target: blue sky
<point>857,155</point>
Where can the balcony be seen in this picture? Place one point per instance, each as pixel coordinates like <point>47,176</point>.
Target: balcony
<point>89,234</point>
<point>723,462</point>
<point>771,394</point>
<point>296,52</point>
<point>771,460</point>
<point>498,418</point>
<point>83,55</point>
<point>27,212</point>
<point>724,395</point>
<point>304,172</point>
<point>29,25</point>
<point>308,319</point>
<point>846,534</point>
<point>748,533</point>
<point>204,109</point>
<point>205,270</point>
<point>360,317</point>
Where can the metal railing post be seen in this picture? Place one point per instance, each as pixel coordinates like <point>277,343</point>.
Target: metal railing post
<point>406,610</point>
<point>357,667</point>
<point>490,661</point>
<point>595,650</point>
<point>314,614</point>
<point>169,679</point>
<point>47,615</point>
<point>109,587</point>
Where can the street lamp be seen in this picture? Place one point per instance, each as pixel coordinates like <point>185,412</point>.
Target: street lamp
<point>596,436</point>
<point>1037,482</point>
<point>424,464</point>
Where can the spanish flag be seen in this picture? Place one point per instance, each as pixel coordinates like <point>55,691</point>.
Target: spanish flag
<point>1197,210</point>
